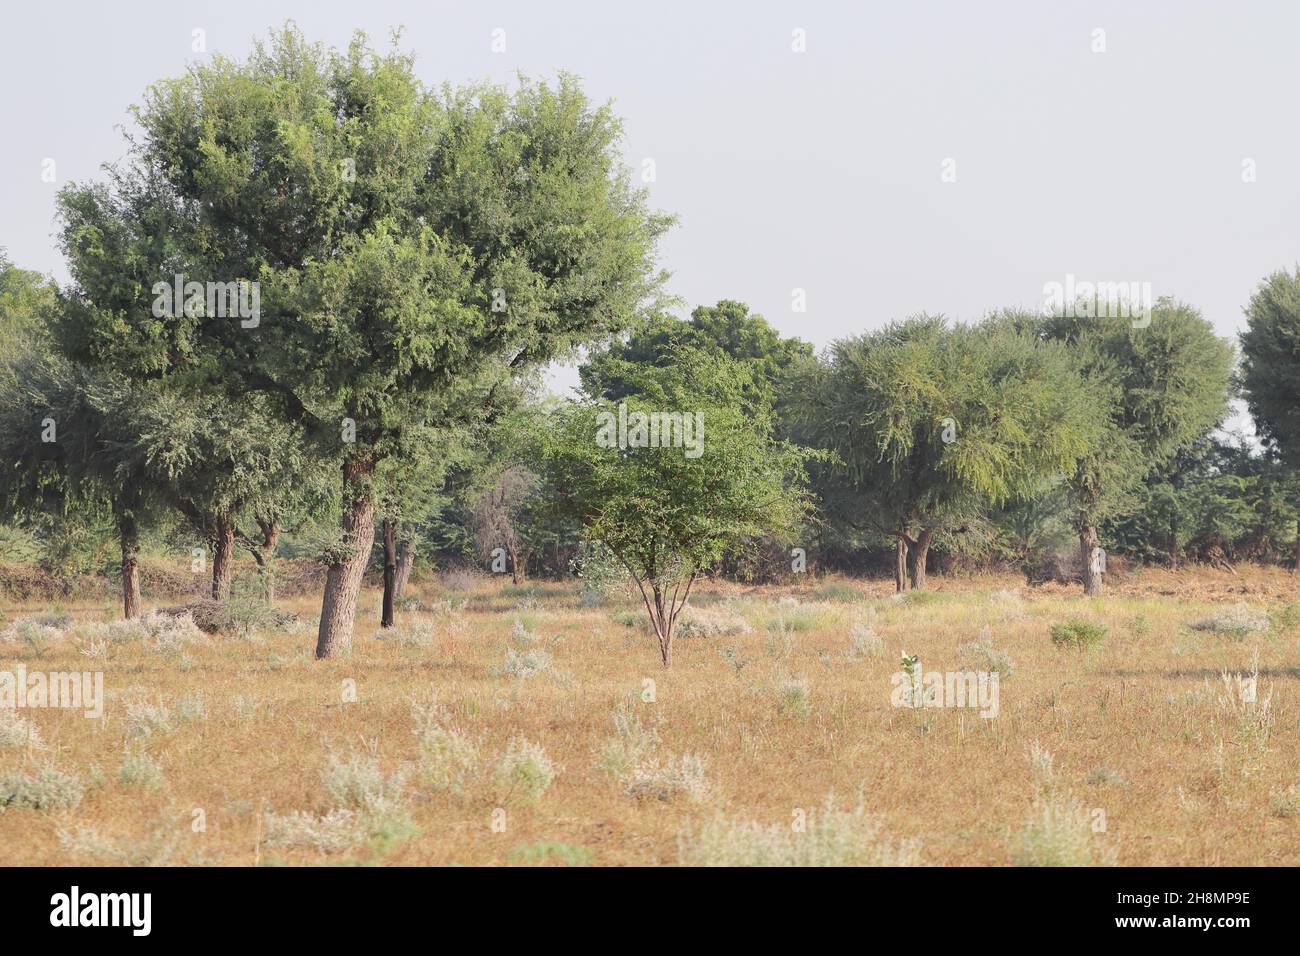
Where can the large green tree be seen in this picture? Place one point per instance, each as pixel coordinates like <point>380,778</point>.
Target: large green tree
<point>1270,369</point>
<point>410,247</point>
<point>930,425</point>
<point>1161,386</point>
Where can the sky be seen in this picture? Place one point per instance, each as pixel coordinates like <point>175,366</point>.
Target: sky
<point>884,159</point>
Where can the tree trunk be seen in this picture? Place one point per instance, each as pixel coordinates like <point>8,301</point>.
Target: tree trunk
<point>1087,543</point>
<point>663,627</point>
<point>223,553</point>
<point>343,578</point>
<point>918,554</point>
<point>900,564</point>
<point>390,572</point>
<point>516,573</point>
<point>265,555</point>
<point>405,558</point>
<point>130,564</point>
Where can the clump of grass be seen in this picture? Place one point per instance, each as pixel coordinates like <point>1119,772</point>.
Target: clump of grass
<point>331,832</point>
<point>18,731</point>
<point>917,598</point>
<point>47,789</point>
<point>1078,634</point>
<point>1009,603</point>
<point>145,718</point>
<point>632,743</point>
<point>1042,765</point>
<point>803,617</point>
<point>1241,706</point>
<point>521,637</point>
<point>864,642</point>
<point>357,783</point>
<point>794,698</point>
<point>159,845</point>
<point>981,655</point>
<point>409,633</point>
<point>1237,622</point>
<point>559,854</point>
<point>684,776</point>
<point>37,630</point>
<point>1104,776</point>
<point>86,841</point>
<point>524,771</point>
<point>628,618</point>
<point>720,621</point>
<point>448,759</point>
<point>244,706</point>
<point>190,708</point>
<point>140,770</point>
<point>1285,804</point>
<point>161,632</point>
<point>1059,833</point>
<point>832,837</point>
<point>837,591</point>
<point>525,664</point>
<point>460,579</point>
<point>1286,617</point>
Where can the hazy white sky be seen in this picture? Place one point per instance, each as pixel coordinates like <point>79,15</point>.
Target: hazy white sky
<point>818,170</point>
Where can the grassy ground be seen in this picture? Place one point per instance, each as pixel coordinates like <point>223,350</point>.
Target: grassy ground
<point>511,725</point>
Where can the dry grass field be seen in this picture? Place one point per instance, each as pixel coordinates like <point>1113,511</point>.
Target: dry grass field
<point>499,725</point>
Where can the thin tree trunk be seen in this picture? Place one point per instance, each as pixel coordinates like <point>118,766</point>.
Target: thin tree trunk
<point>1087,543</point>
<point>405,558</point>
<point>390,572</point>
<point>663,626</point>
<point>343,578</point>
<point>265,556</point>
<point>130,536</point>
<point>900,564</point>
<point>917,555</point>
<point>223,553</point>
<point>516,573</point>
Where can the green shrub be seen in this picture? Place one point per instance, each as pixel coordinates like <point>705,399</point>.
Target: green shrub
<point>1078,634</point>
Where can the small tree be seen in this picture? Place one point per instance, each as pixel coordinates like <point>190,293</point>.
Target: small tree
<point>669,512</point>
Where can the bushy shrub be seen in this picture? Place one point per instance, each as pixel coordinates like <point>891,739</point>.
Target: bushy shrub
<point>47,789</point>
<point>524,772</point>
<point>981,655</point>
<point>331,832</point>
<point>1078,634</point>
<point>832,837</point>
<point>711,622</point>
<point>864,642</point>
<point>683,776</point>
<point>1237,622</point>
<point>141,770</point>
<point>1059,833</point>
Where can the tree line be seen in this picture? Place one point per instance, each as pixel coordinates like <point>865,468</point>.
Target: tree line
<point>419,255</point>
